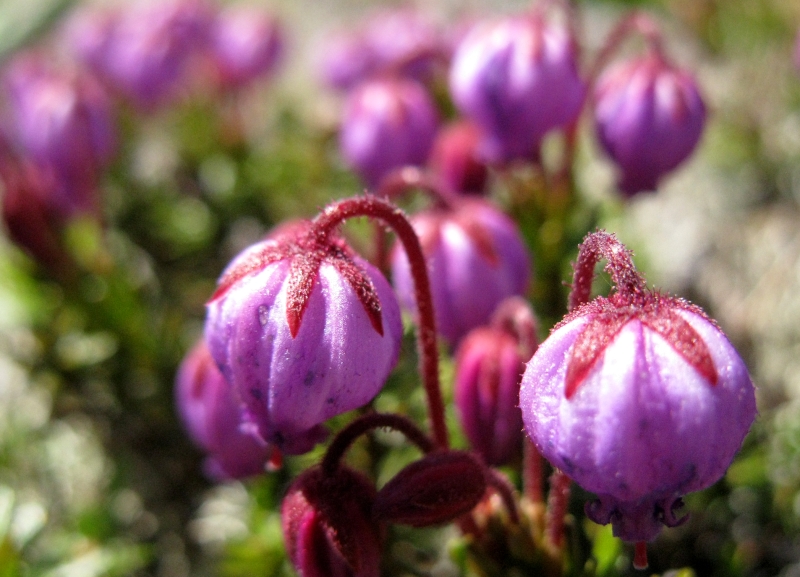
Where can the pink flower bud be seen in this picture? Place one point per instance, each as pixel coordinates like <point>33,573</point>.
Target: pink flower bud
<point>31,221</point>
<point>517,78</point>
<point>143,50</point>
<point>398,42</point>
<point>403,41</point>
<point>212,414</point>
<point>434,490</point>
<point>387,124</point>
<point>649,118</point>
<point>328,526</point>
<point>476,258</point>
<point>455,159</point>
<point>489,368</point>
<point>62,120</point>
<point>244,44</point>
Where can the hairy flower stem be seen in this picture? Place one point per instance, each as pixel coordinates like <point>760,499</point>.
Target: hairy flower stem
<point>369,422</point>
<point>557,504</point>
<point>630,285</point>
<point>532,472</point>
<point>374,207</point>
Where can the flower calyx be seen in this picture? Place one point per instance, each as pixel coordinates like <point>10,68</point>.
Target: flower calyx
<point>631,301</point>
<point>307,248</point>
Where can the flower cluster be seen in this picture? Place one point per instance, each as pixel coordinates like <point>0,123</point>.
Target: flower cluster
<point>638,397</point>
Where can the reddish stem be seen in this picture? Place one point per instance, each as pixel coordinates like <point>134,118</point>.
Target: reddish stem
<point>504,488</point>
<point>640,555</point>
<point>532,472</point>
<point>633,22</point>
<point>374,207</point>
<point>369,422</point>
<point>630,285</point>
<point>557,504</point>
<point>381,248</point>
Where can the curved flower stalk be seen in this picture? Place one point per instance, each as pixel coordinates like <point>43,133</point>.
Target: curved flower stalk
<point>304,329</point>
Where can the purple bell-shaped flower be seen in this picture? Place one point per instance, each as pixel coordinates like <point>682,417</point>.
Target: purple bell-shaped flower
<point>63,122</point>
<point>639,397</point>
<point>211,412</point>
<point>517,78</point>
<point>649,117</point>
<point>244,44</point>
<point>476,258</point>
<point>400,42</point>
<point>304,330</point>
<point>387,123</point>
<point>345,60</point>
<point>404,41</point>
<point>142,51</point>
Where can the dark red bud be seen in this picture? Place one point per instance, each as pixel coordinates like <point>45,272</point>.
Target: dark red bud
<point>434,490</point>
<point>327,524</point>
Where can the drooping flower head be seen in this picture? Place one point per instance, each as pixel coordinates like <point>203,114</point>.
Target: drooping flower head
<point>304,330</point>
<point>639,397</point>
<point>244,44</point>
<point>62,121</point>
<point>404,41</point>
<point>476,258</point>
<point>386,124</point>
<point>328,525</point>
<point>400,42</point>
<point>649,117</point>
<point>211,412</point>
<point>143,51</point>
<point>517,78</point>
